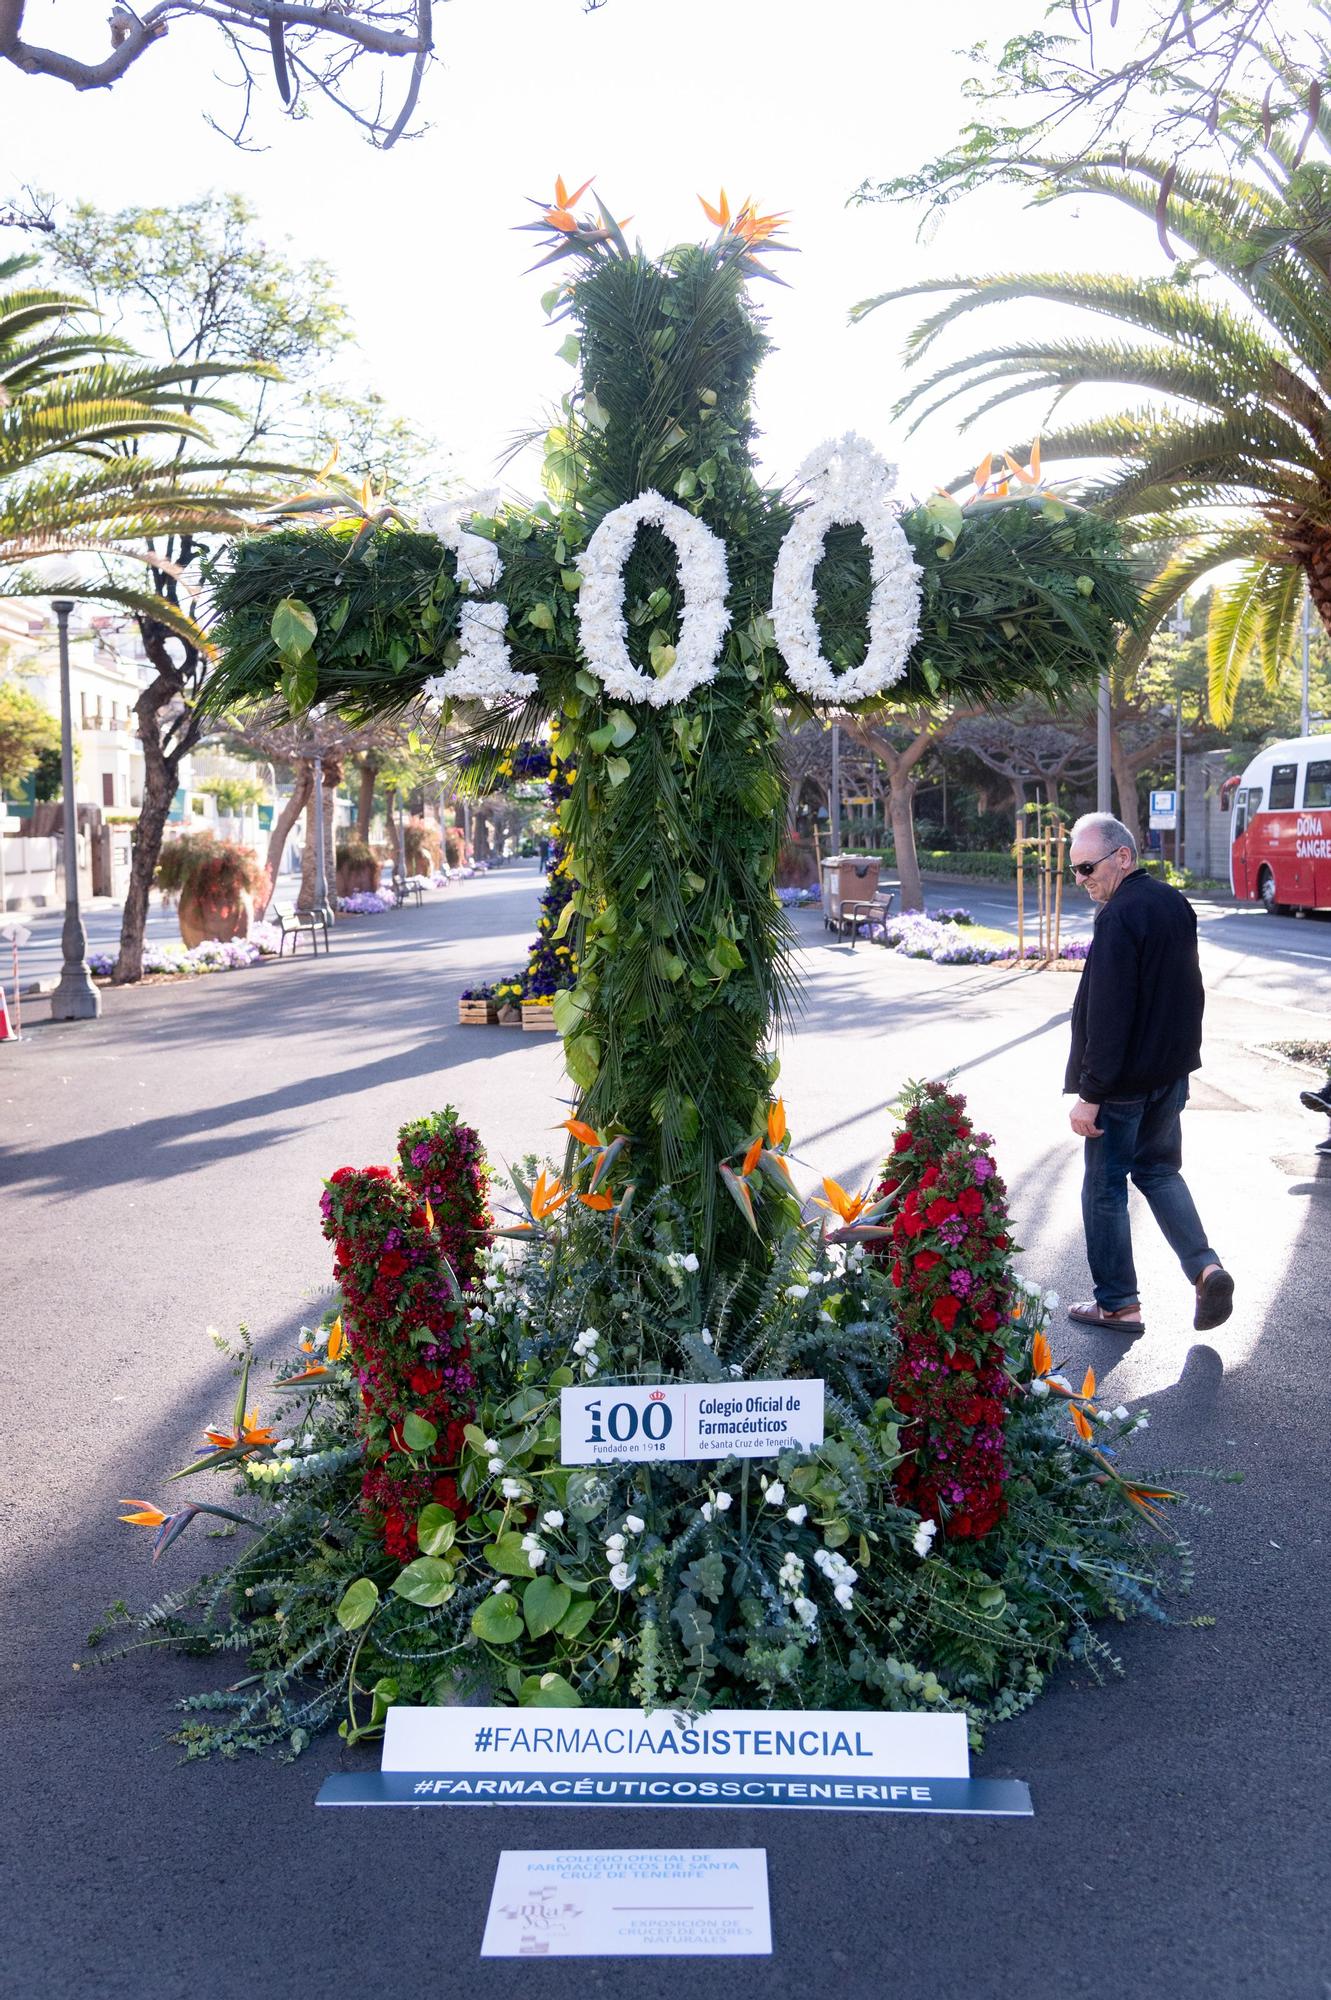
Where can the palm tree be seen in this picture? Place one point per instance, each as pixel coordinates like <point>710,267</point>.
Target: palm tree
<point>76,409</point>
<point>100,457</point>
<point>1230,460</point>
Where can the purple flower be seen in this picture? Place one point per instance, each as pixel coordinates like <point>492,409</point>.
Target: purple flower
<point>961,1283</point>
<point>983,1168</point>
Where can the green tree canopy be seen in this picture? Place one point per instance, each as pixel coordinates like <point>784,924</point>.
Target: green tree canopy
<point>1227,457</point>
<point>26,731</point>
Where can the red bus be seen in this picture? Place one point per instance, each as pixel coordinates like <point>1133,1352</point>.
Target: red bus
<point>1280,840</point>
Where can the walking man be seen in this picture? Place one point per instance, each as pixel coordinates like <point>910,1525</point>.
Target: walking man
<point>1136,1038</point>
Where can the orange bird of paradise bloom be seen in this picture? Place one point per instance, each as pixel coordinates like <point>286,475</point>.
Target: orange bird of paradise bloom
<point>582,1133</point>
<point>602,1203</point>
<point>547,1197</point>
<point>850,1207</point>
<point>751,1159</point>
<point>754,228</point>
<point>1042,1357</point>
<point>776,1122</point>
<point>1079,1416</point>
<point>337,1340</point>
<point>147,1516</point>
<point>310,1374</point>
<point>250,1434</point>
<point>560,214</point>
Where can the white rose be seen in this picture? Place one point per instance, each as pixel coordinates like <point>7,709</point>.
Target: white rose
<point>775,1493</point>
<point>512,1489</point>
<point>498,1589</point>
<point>1051,1302</point>
<point>1037,1386</point>
<point>706,1336</point>
<point>552,1519</point>
<point>805,1610</point>
<point>619,1576</point>
<point>797,1291</point>
<point>707,1510</point>
<point>634,1523</point>
<point>797,1514</point>
<point>845,1595</point>
<point>689,1263</point>
<point>924,1537</point>
<point>1121,1413</point>
<point>496,1464</point>
<point>723,1502</point>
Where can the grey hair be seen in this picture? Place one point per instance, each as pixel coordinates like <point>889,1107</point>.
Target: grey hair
<point>1112,831</point>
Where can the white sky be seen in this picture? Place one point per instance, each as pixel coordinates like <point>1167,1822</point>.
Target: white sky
<point>661,99</point>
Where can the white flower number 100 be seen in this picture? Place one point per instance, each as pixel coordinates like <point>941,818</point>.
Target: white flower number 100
<point>849,484</point>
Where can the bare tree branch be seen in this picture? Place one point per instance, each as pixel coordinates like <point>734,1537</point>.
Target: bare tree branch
<point>274,39</point>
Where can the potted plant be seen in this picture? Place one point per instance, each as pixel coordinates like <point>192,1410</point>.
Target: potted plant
<point>508,1000</point>
<point>357,867</point>
<point>424,847</point>
<point>215,883</point>
<point>476,1007</point>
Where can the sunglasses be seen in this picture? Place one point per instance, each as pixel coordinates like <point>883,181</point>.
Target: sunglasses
<point>1081,869</point>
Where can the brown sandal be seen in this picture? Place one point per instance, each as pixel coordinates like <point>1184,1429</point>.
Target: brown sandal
<point>1090,1314</point>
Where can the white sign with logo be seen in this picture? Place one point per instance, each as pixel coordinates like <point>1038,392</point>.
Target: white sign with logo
<point>629,1903</point>
<point>791,1760</point>
<point>1164,810</point>
<point>737,1742</point>
<point>684,1420</point>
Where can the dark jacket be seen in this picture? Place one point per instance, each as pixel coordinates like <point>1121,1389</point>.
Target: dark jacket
<point>1137,1018</point>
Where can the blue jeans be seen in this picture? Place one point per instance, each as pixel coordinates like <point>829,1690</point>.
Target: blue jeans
<point>1142,1139</point>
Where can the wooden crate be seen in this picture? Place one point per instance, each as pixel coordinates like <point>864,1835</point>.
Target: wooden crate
<point>477,1013</point>
<point>538,1019</point>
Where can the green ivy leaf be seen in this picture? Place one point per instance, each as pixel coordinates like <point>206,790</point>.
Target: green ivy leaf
<point>418,1433</point>
<point>577,1617</point>
<point>357,1605</point>
<point>508,1556</point>
<point>544,1603</point>
<point>617,769</point>
<point>435,1529</point>
<point>571,350</point>
<point>293,628</point>
<point>426,1581</point>
<point>548,1691</point>
<point>498,1621</point>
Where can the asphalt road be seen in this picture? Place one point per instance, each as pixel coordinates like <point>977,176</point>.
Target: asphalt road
<point>159,1173</point>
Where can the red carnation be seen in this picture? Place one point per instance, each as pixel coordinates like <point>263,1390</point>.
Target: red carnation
<point>970,1201</point>
<point>945,1311</point>
<point>939,1210</point>
<point>924,1260</point>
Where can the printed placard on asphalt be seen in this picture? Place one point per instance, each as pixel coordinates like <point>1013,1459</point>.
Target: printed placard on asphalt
<point>708,1902</point>
<point>688,1420</point>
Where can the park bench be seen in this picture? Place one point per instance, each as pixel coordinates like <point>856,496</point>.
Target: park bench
<point>401,891</point>
<point>860,915</point>
<point>291,923</point>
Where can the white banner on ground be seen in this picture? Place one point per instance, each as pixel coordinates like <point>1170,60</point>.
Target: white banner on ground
<point>688,1420</point>
<point>798,1743</point>
<point>629,1903</point>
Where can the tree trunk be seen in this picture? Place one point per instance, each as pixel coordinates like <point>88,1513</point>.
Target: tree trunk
<point>901,800</point>
<point>291,812</point>
<point>365,803</point>
<point>159,788</point>
<point>161,775</point>
<point>332,778</point>
<point>1125,784</point>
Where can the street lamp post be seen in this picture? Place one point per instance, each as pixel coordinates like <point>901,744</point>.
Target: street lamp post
<point>1182,630</point>
<point>1102,757</point>
<point>1305,716</point>
<point>321,904</point>
<point>835,841</point>
<point>75,998</point>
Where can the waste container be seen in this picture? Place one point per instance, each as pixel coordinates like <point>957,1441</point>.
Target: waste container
<point>852,878</point>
